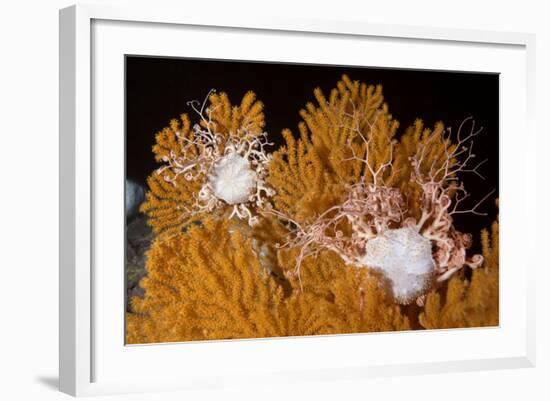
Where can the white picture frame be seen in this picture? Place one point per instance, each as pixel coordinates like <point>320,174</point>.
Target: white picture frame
<point>88,358</point>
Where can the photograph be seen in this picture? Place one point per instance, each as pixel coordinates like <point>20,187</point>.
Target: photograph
<point>268,199</point>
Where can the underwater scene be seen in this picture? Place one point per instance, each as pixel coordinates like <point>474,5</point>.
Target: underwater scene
<point>276,199</point>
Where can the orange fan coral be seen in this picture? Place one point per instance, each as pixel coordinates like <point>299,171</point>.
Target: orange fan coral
<point>356,299</point>
<point>209,283</point>
<point>385,204</point>
<point>311,173</point>
<point>468,302</point>
<point>206,283</point>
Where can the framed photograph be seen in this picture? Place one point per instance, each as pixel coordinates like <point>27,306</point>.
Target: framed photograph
<point>277,199</point>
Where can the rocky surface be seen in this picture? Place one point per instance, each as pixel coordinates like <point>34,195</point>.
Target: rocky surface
<point>135,195</point>
<point>138,240</point>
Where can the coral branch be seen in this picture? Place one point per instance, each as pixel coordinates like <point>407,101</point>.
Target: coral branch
<point>440,189</point>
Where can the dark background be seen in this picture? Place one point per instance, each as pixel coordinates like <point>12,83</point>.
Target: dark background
<point>158,89</point>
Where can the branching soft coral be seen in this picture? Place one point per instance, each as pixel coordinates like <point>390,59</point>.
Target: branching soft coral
<point>311,173</point>
<point>468,302</point>
<point>209,283</point>
<point>217,165</point>
<point>382,203</point>
<point>355,299</point>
